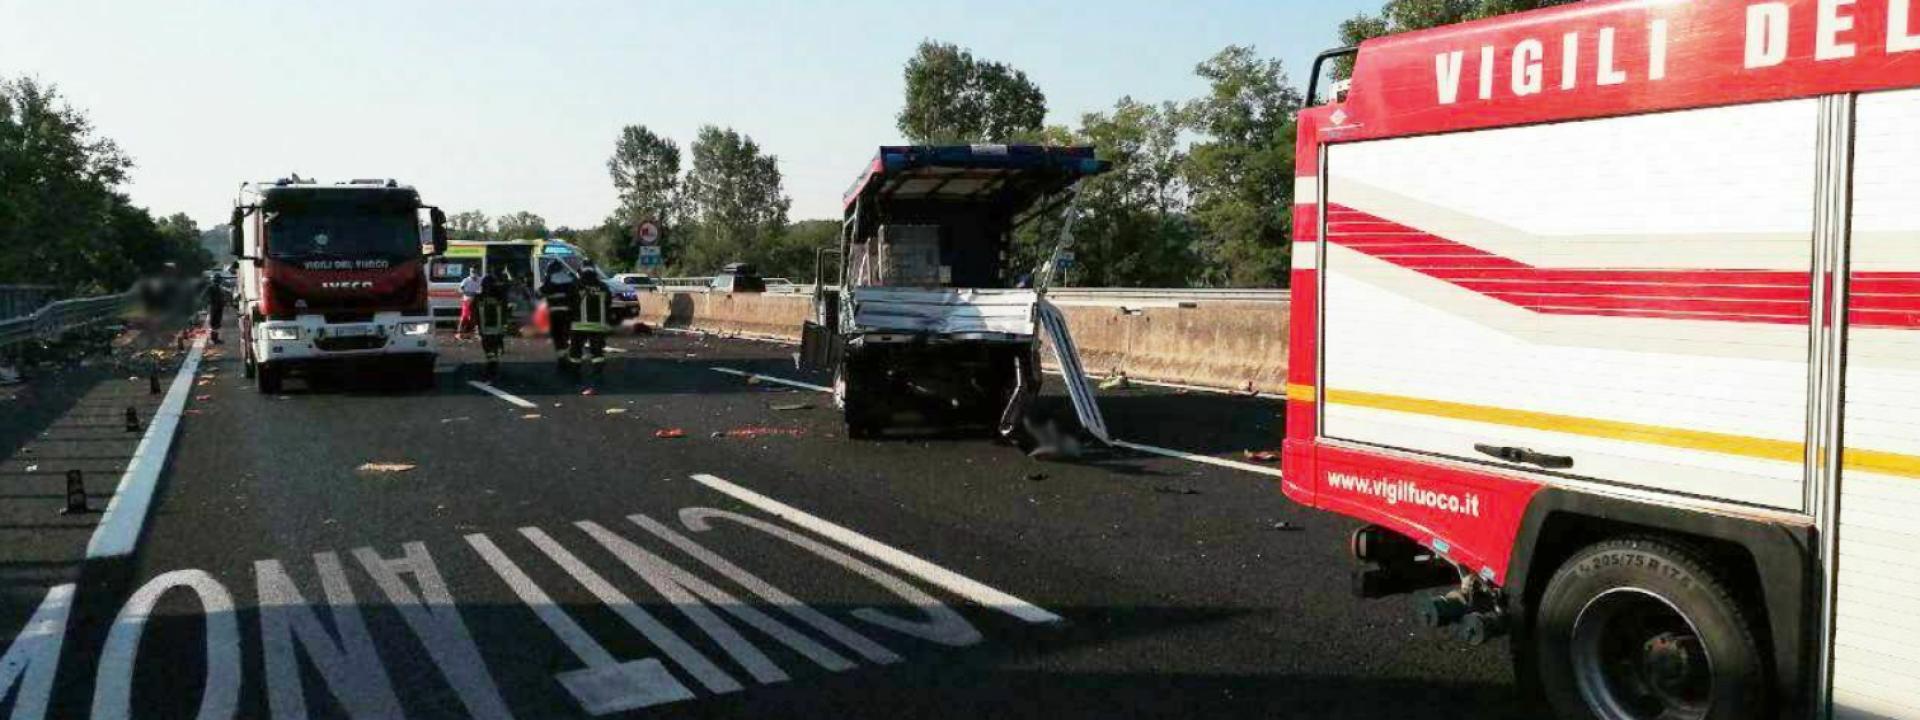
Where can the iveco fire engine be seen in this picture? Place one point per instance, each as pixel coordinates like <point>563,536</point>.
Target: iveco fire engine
<point>334,273</point>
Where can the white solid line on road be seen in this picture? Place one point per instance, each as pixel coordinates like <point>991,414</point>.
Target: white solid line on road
<point>772,379</point>
<point>1207,459</point>
<point>1176,454</point>
<point>502,394</point>
<point>119,528</point>
<point>958,584</point>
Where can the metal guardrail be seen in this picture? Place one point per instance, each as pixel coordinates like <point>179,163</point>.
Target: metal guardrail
<point>1157,295</point>
<point>56,318</point>
<point>22,300</point>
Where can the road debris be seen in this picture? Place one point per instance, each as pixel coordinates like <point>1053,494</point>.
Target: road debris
<point>31,468</point>
<point>616,411</point>
<point>202,398</point>
<point>760,432</point>
<point>530,416</point>
<point>462,418</point>
<point>1036,477</point>
<point>792,406</point>
<point>1117,382</point>
<point>1261,455</point>
<point>1285,526</point>
<point>386,467</point>
<point>1171,490</point>
<point>669,433</point>
<point>588,392</point>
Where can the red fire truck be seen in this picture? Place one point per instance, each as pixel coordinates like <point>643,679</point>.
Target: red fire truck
<point>1609,315</point>
<point>334,274</point>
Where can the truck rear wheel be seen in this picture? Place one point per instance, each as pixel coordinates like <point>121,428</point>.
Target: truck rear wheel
<point>1638,628</point>
<point>855,400</point>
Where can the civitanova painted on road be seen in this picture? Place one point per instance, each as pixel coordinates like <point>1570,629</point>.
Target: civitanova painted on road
<point>344,663</point>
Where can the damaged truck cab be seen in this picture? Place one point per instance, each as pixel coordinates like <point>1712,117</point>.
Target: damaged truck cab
<point>929,316</point>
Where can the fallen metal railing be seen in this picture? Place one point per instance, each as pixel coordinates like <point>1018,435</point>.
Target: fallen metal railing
<point>57,318</point>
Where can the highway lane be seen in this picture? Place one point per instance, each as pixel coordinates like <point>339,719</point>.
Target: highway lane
<point>545,566</point>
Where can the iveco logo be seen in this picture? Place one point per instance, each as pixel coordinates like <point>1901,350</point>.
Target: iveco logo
<point>347,285</point>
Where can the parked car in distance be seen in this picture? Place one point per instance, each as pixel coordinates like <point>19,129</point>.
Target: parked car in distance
<point>738,277</point>
<point>638,281</point>
<point>626,298</point>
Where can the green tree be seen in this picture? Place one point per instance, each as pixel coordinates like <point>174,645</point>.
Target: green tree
<point>734,199</point>
<point>56,190</point>
<point>522,225</point>
<point>645,168</point>
<point>1133,229</point>
<point>952,97</point>
<point>1241,172</point>
<point>1398,16</point>
<point>469,225</point>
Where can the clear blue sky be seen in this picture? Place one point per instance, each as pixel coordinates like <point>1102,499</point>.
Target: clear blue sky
<point>506,106</point>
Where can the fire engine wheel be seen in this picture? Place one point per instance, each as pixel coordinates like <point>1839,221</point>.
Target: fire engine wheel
<point>266,378</point>
<point>1638,628</point>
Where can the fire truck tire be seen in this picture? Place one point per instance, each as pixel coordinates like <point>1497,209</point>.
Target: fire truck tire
<point>267,378</point>
<point>1638,627</point>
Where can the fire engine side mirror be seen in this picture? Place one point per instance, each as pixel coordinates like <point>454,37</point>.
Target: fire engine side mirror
<point>236,231</point>
<point>439,231</point>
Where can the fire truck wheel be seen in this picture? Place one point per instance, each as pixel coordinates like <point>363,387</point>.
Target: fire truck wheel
<point>1639,628</point>
<point>267,378</point>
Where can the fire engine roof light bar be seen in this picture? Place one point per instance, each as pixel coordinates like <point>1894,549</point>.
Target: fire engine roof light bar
<point>1313,79</point>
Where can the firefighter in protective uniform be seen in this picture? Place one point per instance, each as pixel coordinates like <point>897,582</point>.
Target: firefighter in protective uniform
<point>490,312</point>
<point>592,321</point>
<point>562,294</point>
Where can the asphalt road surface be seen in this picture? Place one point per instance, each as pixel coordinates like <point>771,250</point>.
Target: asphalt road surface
<point>560,560</point>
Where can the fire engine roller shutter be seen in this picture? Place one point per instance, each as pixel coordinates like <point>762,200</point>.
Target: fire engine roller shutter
<point>1876,642</point>
<point>1631,293</point>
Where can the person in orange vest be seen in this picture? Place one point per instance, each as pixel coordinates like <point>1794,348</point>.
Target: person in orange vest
<point>490,311</point>
<point>592,321</point>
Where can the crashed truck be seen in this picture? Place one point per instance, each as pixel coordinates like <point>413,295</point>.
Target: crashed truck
<point>928,314</point>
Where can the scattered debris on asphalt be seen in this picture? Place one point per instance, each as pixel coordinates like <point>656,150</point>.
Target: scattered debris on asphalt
<point>669,433</point>
<point>1117,382</point>
<point>1171,490</point>
<point>462,418</point>
<point>793,406</point>
<point>760,432</point>
<point>202,398</point>
<point>530,416</point>
<point>386,467</point>
<point>1036,477</point>
<point>588,392</point>
<point>1286,526</point>
<point>616,411</point>
<point>31,468</point>
<point>753,380</point>
<point>1261,455</point>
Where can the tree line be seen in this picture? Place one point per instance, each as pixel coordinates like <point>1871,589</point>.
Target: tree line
<point>64,220</point>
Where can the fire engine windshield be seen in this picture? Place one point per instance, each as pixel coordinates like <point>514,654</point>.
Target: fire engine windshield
<point>343,231</point>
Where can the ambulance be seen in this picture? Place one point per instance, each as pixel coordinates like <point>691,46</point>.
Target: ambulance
<point>1606,318</point>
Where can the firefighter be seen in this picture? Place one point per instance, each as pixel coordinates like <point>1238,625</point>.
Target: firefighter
<point>592,322</point>
<point>562,294</point>
<point>490,311</point>
<point>216,296</point>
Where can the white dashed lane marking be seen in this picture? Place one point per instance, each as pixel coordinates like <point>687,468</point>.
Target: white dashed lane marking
<point>502,394</point>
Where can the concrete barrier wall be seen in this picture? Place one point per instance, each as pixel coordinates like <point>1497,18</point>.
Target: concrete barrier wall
<point>1230,345</point>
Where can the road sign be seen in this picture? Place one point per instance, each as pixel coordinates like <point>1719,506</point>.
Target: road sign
<point>1066,258</point>
<point>647,233</point>
<point>649,255</point>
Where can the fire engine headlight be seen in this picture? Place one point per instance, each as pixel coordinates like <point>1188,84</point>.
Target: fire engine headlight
<point>283,333</point>
<point>412,329</point>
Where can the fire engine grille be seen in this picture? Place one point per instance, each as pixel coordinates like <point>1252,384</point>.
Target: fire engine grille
<point>349,343</point>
